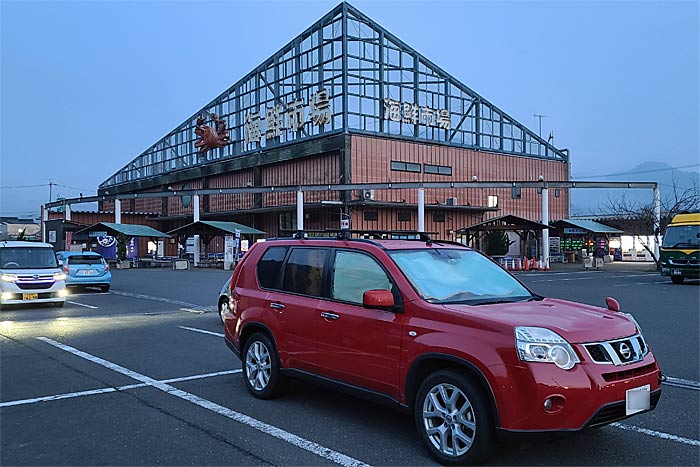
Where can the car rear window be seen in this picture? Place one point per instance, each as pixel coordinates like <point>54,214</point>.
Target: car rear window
<point>303,273</point>
<point>84,260</point>
<point>269,266</point>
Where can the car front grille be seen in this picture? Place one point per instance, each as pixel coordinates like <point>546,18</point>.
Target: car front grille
<point>35,285</point>
<point>619,351</point>
<point>617,411</point>
<point>625,374</point>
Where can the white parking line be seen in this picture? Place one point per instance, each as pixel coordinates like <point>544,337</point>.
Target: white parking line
<point>71,395</point>
<point>621,276</point>
<point>682,383</point>
<point>656,434</point>
<point>203,331</point>
<point>188,305</point>
<point>82,304</point>
<point>263,427</point>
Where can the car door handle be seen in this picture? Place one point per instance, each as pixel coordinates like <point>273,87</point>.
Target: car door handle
<point>329,315</point>
<point>277,306</point>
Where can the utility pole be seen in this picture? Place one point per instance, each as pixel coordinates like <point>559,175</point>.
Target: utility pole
<point>51,184</point>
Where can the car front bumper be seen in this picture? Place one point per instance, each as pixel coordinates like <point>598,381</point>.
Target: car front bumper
<point>588,395</point>
<point>105,279</point>
<point>681,271</point>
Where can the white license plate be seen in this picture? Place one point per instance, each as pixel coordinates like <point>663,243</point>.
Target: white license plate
<point>638,399</point>
<point>87,272</point>
<point>675,272</point>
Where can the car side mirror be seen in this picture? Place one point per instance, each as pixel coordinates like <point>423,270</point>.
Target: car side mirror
<point>60,263</point>
<point>613,305</point>
<point>382,299</point>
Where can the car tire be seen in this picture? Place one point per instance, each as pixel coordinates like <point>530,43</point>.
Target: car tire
<point>223,308</point>
<point>677,279</point>
<point>104,288</point>
<point>261,372</point>
<point>449,403</point>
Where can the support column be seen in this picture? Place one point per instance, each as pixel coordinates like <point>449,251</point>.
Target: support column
<point>44,218</point>
<point>117,211</point>
<point>421,210</point>
<point>657,220</point>
<point>195,209</point>
<point>300,210</point>
<point>68,212</point>
<point>545,221</point>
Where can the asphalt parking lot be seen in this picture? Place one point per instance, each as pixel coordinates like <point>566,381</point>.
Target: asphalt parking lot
<point>141,376</point>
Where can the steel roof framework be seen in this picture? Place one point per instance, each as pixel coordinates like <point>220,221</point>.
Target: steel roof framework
<point>361,65</point>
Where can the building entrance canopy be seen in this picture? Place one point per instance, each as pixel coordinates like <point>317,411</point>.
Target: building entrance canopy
<point>128,230</point>
<point>214,228</point>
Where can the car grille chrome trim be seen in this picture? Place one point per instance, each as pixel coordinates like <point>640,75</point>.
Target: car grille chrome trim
<point>684,262</point>
<point>617,352</point>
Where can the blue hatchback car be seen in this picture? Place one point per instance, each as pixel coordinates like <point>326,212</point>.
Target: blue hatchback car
<point>85,269</point>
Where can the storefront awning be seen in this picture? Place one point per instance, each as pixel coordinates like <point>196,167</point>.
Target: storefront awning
<point>587,225</point>
<point>507,222</point>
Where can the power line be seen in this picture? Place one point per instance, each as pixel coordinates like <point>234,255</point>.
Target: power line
<point>74,188</point>
<point>21,186</point>
<point>666,169</point>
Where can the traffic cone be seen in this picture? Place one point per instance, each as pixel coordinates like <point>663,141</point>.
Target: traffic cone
<point>539,264</point>
<point>527,264</point>
<point>546,264</point>
<point>520,264</point>
<point>533,264</point>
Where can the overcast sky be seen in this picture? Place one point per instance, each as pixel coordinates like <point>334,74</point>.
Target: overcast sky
<point>87,86</point>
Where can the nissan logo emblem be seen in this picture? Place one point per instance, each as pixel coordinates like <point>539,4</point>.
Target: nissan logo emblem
<point>625,350</point>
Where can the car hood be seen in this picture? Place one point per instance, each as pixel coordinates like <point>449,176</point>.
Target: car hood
<point>575,322</point>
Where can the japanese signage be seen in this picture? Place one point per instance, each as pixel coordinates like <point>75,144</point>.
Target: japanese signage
<point>290,117</point>
<point>408,112</point>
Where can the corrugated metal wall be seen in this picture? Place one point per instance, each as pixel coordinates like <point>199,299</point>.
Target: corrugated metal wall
<point>371,159</point>
<point>308,171</point>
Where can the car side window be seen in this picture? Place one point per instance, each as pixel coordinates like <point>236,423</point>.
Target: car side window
<point>303,273</point>
<point>354,274</point>
<point>269,266</point>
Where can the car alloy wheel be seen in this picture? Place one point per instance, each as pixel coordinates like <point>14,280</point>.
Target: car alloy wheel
<point>449,420</point>
<point>258,366</point>
<point>223,309</point>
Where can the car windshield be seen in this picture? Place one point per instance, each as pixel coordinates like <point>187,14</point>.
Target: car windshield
<point>458,276</point>
<point>27,258</point>
<point>682,236</point>
<point>91,259</point>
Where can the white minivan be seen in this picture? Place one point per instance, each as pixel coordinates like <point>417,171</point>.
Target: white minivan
<point>30,274</point>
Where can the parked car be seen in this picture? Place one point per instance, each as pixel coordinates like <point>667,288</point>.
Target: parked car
<point>223,301</point>
<point>85,269</point>
<point>437,329</point>
<point>29,273</point>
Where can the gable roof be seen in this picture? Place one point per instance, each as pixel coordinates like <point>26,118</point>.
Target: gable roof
<point>130,230</point>
<point>215,228</point>
<point>361,65</point>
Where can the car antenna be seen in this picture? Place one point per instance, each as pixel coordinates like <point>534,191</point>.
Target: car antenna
<point>425,238</point>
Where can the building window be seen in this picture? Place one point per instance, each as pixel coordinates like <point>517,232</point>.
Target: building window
<point>516,192</point>
<point>404,216</point>
<point>405,166</point>
<point>437,169</point>
<point>493,201</point>
<point>438,216</point>
<point>288,220</point>
<point>557,192</point>
<point>371,215</point>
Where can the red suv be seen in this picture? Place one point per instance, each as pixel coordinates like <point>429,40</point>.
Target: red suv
<point>438,329</point>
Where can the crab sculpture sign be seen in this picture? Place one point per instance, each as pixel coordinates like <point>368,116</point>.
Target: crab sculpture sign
<point>210,138</point>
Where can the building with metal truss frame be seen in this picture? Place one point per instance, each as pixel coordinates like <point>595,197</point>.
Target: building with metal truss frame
<point>346,102</point>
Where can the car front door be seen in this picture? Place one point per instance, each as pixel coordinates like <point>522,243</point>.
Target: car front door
<point>358,345</point>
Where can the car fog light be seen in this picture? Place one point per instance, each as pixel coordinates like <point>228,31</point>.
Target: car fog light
<point>547,404</point>
<point>560,357</point>
<point>6,295</point>
<point>62,293</point>
<point>554,404</point>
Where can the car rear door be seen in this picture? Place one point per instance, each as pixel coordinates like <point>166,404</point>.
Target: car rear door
<point>358,345</point>
<point>297,303</point>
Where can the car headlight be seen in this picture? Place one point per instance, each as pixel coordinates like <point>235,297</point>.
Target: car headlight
<point>9,277</point>
<point>544,345</point>
<point>59,276</point>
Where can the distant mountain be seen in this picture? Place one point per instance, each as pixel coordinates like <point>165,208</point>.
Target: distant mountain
<point>595,201</point>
